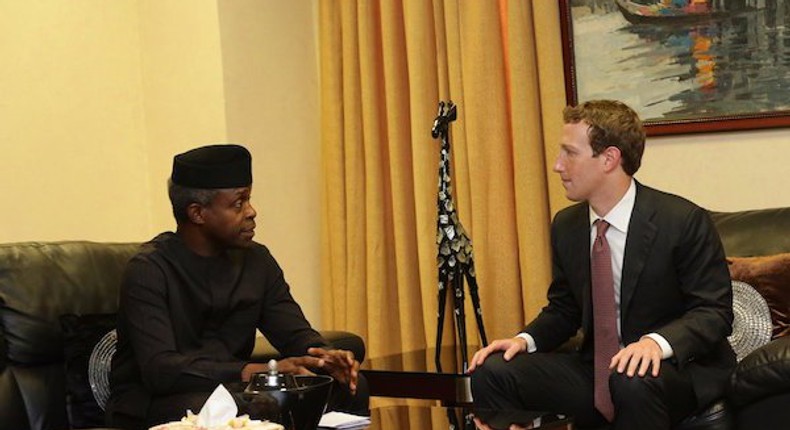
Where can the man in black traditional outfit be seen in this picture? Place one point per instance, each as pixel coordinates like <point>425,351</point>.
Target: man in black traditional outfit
<point>191,300</point>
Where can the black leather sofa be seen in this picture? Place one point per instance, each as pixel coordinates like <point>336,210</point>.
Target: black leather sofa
<point>39,283</point>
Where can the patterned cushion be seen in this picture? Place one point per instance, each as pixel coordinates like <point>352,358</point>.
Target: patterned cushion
<point>770,276</point>
<point>751,327</point>
<point>80,334</point>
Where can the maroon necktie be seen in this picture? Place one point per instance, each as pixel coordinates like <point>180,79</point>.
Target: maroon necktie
<point>604,318</point>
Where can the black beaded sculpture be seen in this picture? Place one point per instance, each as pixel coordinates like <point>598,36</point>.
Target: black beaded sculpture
<point>455,258</point>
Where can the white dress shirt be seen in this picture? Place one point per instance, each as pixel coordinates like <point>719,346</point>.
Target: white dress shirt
<point>618,218</point>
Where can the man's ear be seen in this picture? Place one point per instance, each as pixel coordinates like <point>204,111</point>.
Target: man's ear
<point>612,157</point>
<point>195,213</point>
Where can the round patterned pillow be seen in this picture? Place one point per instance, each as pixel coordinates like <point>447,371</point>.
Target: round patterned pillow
<point>751,327</point>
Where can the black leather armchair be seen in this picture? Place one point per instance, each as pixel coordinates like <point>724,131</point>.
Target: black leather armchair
<point>40,282</point>
<point>760,386</point>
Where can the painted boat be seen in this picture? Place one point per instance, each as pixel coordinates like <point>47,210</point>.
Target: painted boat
<point>665,12</point>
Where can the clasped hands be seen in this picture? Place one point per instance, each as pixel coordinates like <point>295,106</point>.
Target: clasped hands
<point>635,359</point>
<point>338,363</point>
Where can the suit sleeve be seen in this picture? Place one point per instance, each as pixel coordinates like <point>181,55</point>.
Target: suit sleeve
<point>705,284</point>
<point>561,318</point>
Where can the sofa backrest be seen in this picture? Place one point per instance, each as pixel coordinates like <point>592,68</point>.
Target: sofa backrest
<point>753,233</point>
<point>39,282</point>
<point>757,245</point>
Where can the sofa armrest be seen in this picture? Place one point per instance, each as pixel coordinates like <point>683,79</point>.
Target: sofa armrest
<point>264,351</point>
<point>764,372</point>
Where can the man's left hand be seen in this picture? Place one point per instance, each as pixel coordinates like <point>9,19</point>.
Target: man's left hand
<point>340,364</point>
<point>637,358</point>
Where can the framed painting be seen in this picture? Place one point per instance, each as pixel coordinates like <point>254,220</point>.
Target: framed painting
<point>685,66</point>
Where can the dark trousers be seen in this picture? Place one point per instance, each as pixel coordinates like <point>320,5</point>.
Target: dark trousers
<point>563,383</point>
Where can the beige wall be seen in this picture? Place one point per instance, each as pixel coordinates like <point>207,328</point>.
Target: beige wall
<point>71,122</point>
<point>271,98</point>
<point>722,171</point>
<point>184,94</point>
<point>96,97</point>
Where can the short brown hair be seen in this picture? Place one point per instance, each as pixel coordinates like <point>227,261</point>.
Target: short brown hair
<point>612,123</point>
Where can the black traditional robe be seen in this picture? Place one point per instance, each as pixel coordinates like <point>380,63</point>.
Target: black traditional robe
<point>187,323</point>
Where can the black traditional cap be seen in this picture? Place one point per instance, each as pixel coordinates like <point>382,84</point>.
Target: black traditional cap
<point>213,166</point>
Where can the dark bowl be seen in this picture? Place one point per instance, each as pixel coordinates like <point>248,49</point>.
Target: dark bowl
<point>297,402</point>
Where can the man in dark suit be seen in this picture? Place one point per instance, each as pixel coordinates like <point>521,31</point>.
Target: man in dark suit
<point>642,273</point>
<point>192,299</point>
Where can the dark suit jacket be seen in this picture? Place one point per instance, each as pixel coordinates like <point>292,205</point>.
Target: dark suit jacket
<point>675,282</point>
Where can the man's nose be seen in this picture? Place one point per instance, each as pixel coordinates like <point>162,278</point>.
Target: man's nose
<point>558,166</point>
<point>251,212</point>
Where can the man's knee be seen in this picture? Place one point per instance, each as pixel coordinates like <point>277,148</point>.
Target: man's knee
<point>486,373</point>
<point>494,364</point>
<point>635,389</point>
<point>494,384</point>
<point>495,370</point>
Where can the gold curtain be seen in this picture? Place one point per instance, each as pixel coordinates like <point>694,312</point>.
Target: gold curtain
<point>384,67</point>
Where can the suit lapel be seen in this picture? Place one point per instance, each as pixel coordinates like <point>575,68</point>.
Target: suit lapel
<point>641,235</point>
<point>581,263</point>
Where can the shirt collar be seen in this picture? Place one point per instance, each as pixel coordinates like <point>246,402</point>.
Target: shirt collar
<point>620,215</point>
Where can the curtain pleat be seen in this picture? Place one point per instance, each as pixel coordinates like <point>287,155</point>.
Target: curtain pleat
<point>384,67</point>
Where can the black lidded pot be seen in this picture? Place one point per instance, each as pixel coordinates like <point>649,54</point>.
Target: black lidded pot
<point>295,401</point>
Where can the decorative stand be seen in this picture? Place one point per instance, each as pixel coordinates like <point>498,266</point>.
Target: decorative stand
<point>455,257</point>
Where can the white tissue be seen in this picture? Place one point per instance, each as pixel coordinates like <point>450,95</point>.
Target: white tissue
<point>218,409</point>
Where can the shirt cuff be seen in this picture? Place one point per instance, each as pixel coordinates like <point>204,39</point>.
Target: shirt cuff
<point>666,348</point>
<point>530,342</point>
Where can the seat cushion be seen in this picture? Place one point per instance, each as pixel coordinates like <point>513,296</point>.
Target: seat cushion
<point>769,413</point>
<point>716,416</point>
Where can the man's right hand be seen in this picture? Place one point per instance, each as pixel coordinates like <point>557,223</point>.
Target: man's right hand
<point>340,364</point>
<point>511,347</point>
<point>286,366</point>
